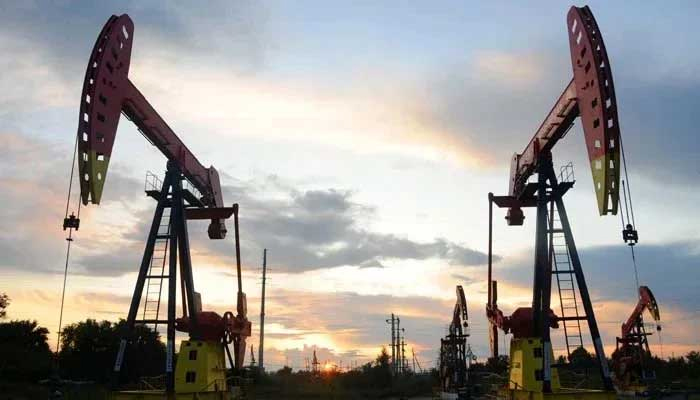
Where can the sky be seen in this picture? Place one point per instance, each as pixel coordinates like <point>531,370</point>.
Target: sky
<point>361,141</point>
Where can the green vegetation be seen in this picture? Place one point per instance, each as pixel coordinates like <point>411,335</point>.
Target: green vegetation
<point>24,351</point>
<point>4,302</point>
<point>89,348</point>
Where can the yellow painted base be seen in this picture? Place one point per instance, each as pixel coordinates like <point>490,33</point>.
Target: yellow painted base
<point>201,367</point>
<point>200,374</point>
<point>525,358</point>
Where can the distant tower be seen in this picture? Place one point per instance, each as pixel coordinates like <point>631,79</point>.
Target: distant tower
<point>252,357</point>
<point>399,364</point>
<point>262,312</point>
<point>392,321</point>
<point>403,354</point>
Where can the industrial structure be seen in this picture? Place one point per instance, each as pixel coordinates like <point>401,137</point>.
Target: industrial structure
<point>189,191</point>
<point>261,344</point>
<point>631,357</point>
<point>315,365</point>
<point>591,96</point>
<point>455,354</point>
<point>398,362</point>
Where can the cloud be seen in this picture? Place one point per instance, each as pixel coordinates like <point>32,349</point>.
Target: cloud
<point>308,229</point>
<point>508,68</point>
<point>610,276</point>
<point>33,179</point>
<point>316,229</point>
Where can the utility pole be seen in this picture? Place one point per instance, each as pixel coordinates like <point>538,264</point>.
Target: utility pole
<point>393,342</point>
<point>315,364</point>
<point>252,357</point>
<point>403,354</point>
<point>262,314</point>
<point>398,345</point>
<point>413,353</point>
<point>416,362</point>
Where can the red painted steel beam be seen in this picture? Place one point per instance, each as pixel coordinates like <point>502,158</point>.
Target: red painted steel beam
<point>590,95</point>
<point>107,92</point>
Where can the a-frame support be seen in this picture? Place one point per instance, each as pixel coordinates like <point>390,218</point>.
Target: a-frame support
<point>170,196</point>
<point>548,191</point>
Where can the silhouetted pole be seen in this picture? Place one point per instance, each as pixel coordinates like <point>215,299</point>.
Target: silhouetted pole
<point>398,345</point>
<point>262,314</point>
<point>393,342</point>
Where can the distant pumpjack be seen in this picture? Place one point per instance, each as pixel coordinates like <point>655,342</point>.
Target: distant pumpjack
<point>632,354</point>
<point>453,352</point>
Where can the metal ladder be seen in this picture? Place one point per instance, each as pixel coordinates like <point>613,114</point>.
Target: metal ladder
<point>153,287</point>
<point>564,273</point>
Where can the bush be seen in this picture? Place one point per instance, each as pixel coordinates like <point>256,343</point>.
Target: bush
<point>24,351</point>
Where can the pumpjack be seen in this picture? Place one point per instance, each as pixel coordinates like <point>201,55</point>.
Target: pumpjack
<point>632,375</point>
<point>455,353</point>
<point>590,95</point>
<point>189,191</point>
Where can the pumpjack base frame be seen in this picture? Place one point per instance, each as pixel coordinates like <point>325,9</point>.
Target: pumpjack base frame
<point>549,193</point>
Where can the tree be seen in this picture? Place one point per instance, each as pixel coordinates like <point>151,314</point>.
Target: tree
<point>4,303</point>
<point>24,351</point>
<point>285,371</point>
<point>382,360</point>
<point>581,358</point>
<point>380,374</point>
<point>89,348</point>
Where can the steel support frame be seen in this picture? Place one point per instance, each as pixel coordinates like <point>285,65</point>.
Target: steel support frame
<point>549,192</point>
<point>453,362</point>
<point>179,253</point>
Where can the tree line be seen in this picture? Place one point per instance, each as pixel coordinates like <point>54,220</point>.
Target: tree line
<point>87,351</point>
